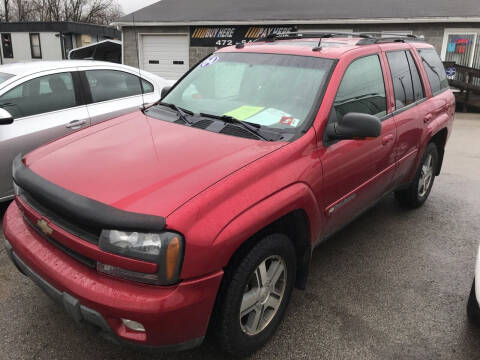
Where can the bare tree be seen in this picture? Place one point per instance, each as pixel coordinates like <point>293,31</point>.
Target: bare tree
<point>101,11</point>
<point>6,10</point>
<point>24,10</point>
<point>88,11</point>
<point>73,9</point>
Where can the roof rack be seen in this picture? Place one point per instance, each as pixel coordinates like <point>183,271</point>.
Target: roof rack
<point>376,38</point>
<point>367,38</point>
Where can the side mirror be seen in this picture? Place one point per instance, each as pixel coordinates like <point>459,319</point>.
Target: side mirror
<point>355,126</point>
<point>5,117</point>
<point>165,91</point>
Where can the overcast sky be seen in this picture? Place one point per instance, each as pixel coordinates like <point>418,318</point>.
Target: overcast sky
<point>129,6</point>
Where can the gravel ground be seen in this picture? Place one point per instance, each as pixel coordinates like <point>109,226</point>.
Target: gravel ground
<point>391,285</point>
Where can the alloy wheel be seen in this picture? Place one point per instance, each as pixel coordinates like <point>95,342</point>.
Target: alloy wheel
<point>426,176</point>
<point>263,295</point>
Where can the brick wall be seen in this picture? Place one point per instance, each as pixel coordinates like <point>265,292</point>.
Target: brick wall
<point>197,53</point>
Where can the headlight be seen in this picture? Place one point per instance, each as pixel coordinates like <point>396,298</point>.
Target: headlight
<point>164,249</point>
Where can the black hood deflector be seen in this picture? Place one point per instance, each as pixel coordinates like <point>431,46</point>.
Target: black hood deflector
<point>80,209</point>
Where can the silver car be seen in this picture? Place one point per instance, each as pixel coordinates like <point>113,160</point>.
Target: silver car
<point>42,101</point>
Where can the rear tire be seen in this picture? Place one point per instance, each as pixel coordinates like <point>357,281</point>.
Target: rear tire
<point>255,295</point>
<point>417,193</point>
<point>473,309</point>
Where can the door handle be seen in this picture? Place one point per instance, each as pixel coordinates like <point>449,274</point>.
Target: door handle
<point>427,118</point>
<point>387,138</point>
<point>75,124</point>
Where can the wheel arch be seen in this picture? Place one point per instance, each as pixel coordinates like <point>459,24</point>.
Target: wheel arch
<point>294,209</point>
<point>440,140</point>
<point>295,225</point>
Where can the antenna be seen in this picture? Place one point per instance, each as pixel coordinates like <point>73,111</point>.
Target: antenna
<point>138,61</point>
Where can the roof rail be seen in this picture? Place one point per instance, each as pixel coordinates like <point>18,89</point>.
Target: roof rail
<point>376,38</point>
<point>367,38</point>
<point>311,34</point>
<point>306,34</point>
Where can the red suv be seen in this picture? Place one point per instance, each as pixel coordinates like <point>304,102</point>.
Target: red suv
<point>202,211</point>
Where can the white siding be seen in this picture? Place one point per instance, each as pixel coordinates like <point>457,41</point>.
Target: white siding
<point>50,44</point>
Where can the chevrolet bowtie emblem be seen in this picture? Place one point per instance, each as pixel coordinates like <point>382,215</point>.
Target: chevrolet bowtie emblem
<point>43,226</point>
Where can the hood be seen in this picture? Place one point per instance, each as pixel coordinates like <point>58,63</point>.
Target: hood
<point>145,165</point>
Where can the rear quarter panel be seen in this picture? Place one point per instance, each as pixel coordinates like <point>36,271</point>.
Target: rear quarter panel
<point>441,106</point>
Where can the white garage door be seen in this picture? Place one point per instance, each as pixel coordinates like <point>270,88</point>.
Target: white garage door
<point>165,55</point>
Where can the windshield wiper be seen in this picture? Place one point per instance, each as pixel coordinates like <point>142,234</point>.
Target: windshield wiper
<point>182,114</point>
<point>231,120</point>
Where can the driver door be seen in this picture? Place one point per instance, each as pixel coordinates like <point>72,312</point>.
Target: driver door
<point>357,173</point>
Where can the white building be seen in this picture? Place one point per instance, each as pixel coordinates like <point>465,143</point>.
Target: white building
<point>48,40</point>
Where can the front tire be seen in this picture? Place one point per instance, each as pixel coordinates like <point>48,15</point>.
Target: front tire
<point>255,296</point>
<point>417,193</point>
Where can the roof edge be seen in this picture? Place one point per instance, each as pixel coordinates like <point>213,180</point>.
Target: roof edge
<point>453,19</point>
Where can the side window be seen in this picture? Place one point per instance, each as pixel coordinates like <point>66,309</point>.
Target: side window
<point>362,89</point>
<point>147,86</point>
<point>40,95</point>
<point>113,84</point>
<point>435,70</point>
<point>416,80</point>
<point>407,85</point>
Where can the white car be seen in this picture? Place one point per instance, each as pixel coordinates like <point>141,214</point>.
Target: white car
<point>473,307</point>
<point>42,101</point>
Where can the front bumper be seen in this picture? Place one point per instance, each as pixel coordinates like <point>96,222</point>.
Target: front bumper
<point>174,317</point>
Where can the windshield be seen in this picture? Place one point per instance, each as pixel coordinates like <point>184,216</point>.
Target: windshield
<point>271,90</point>
<point>4,77</point>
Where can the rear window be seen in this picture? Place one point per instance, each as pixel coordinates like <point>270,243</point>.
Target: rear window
<point>4,77</point>
<point>435,70</point>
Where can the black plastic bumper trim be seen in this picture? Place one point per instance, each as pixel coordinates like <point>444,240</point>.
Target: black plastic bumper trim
<point>80,313</point>
<point>78,208</point>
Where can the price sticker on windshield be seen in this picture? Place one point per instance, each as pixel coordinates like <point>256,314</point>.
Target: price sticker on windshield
<point>209,61</point>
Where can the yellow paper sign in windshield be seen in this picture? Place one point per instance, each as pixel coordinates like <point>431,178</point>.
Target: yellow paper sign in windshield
<point>244,112</point>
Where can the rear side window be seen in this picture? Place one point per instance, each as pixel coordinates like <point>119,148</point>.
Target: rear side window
<point>435,70</point>
<point>4,77</point>
<point>362,89</point>
<point>407,86</point>
<point>113,84</point>
<point>418,91</point>
<point>40,95</point>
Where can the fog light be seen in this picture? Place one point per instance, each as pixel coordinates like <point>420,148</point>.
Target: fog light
<point>133,325</point>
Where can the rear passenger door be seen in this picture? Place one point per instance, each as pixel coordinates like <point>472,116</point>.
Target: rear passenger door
<point>113,93</point>
<point>358,172</point>
<point>409,112</point>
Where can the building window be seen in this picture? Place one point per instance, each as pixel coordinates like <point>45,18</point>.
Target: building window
<point>461,46</point>
<point>7,46</point>
<point>35,46</point>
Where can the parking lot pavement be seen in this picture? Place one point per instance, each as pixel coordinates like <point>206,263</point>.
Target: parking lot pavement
<point>391,285</point>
